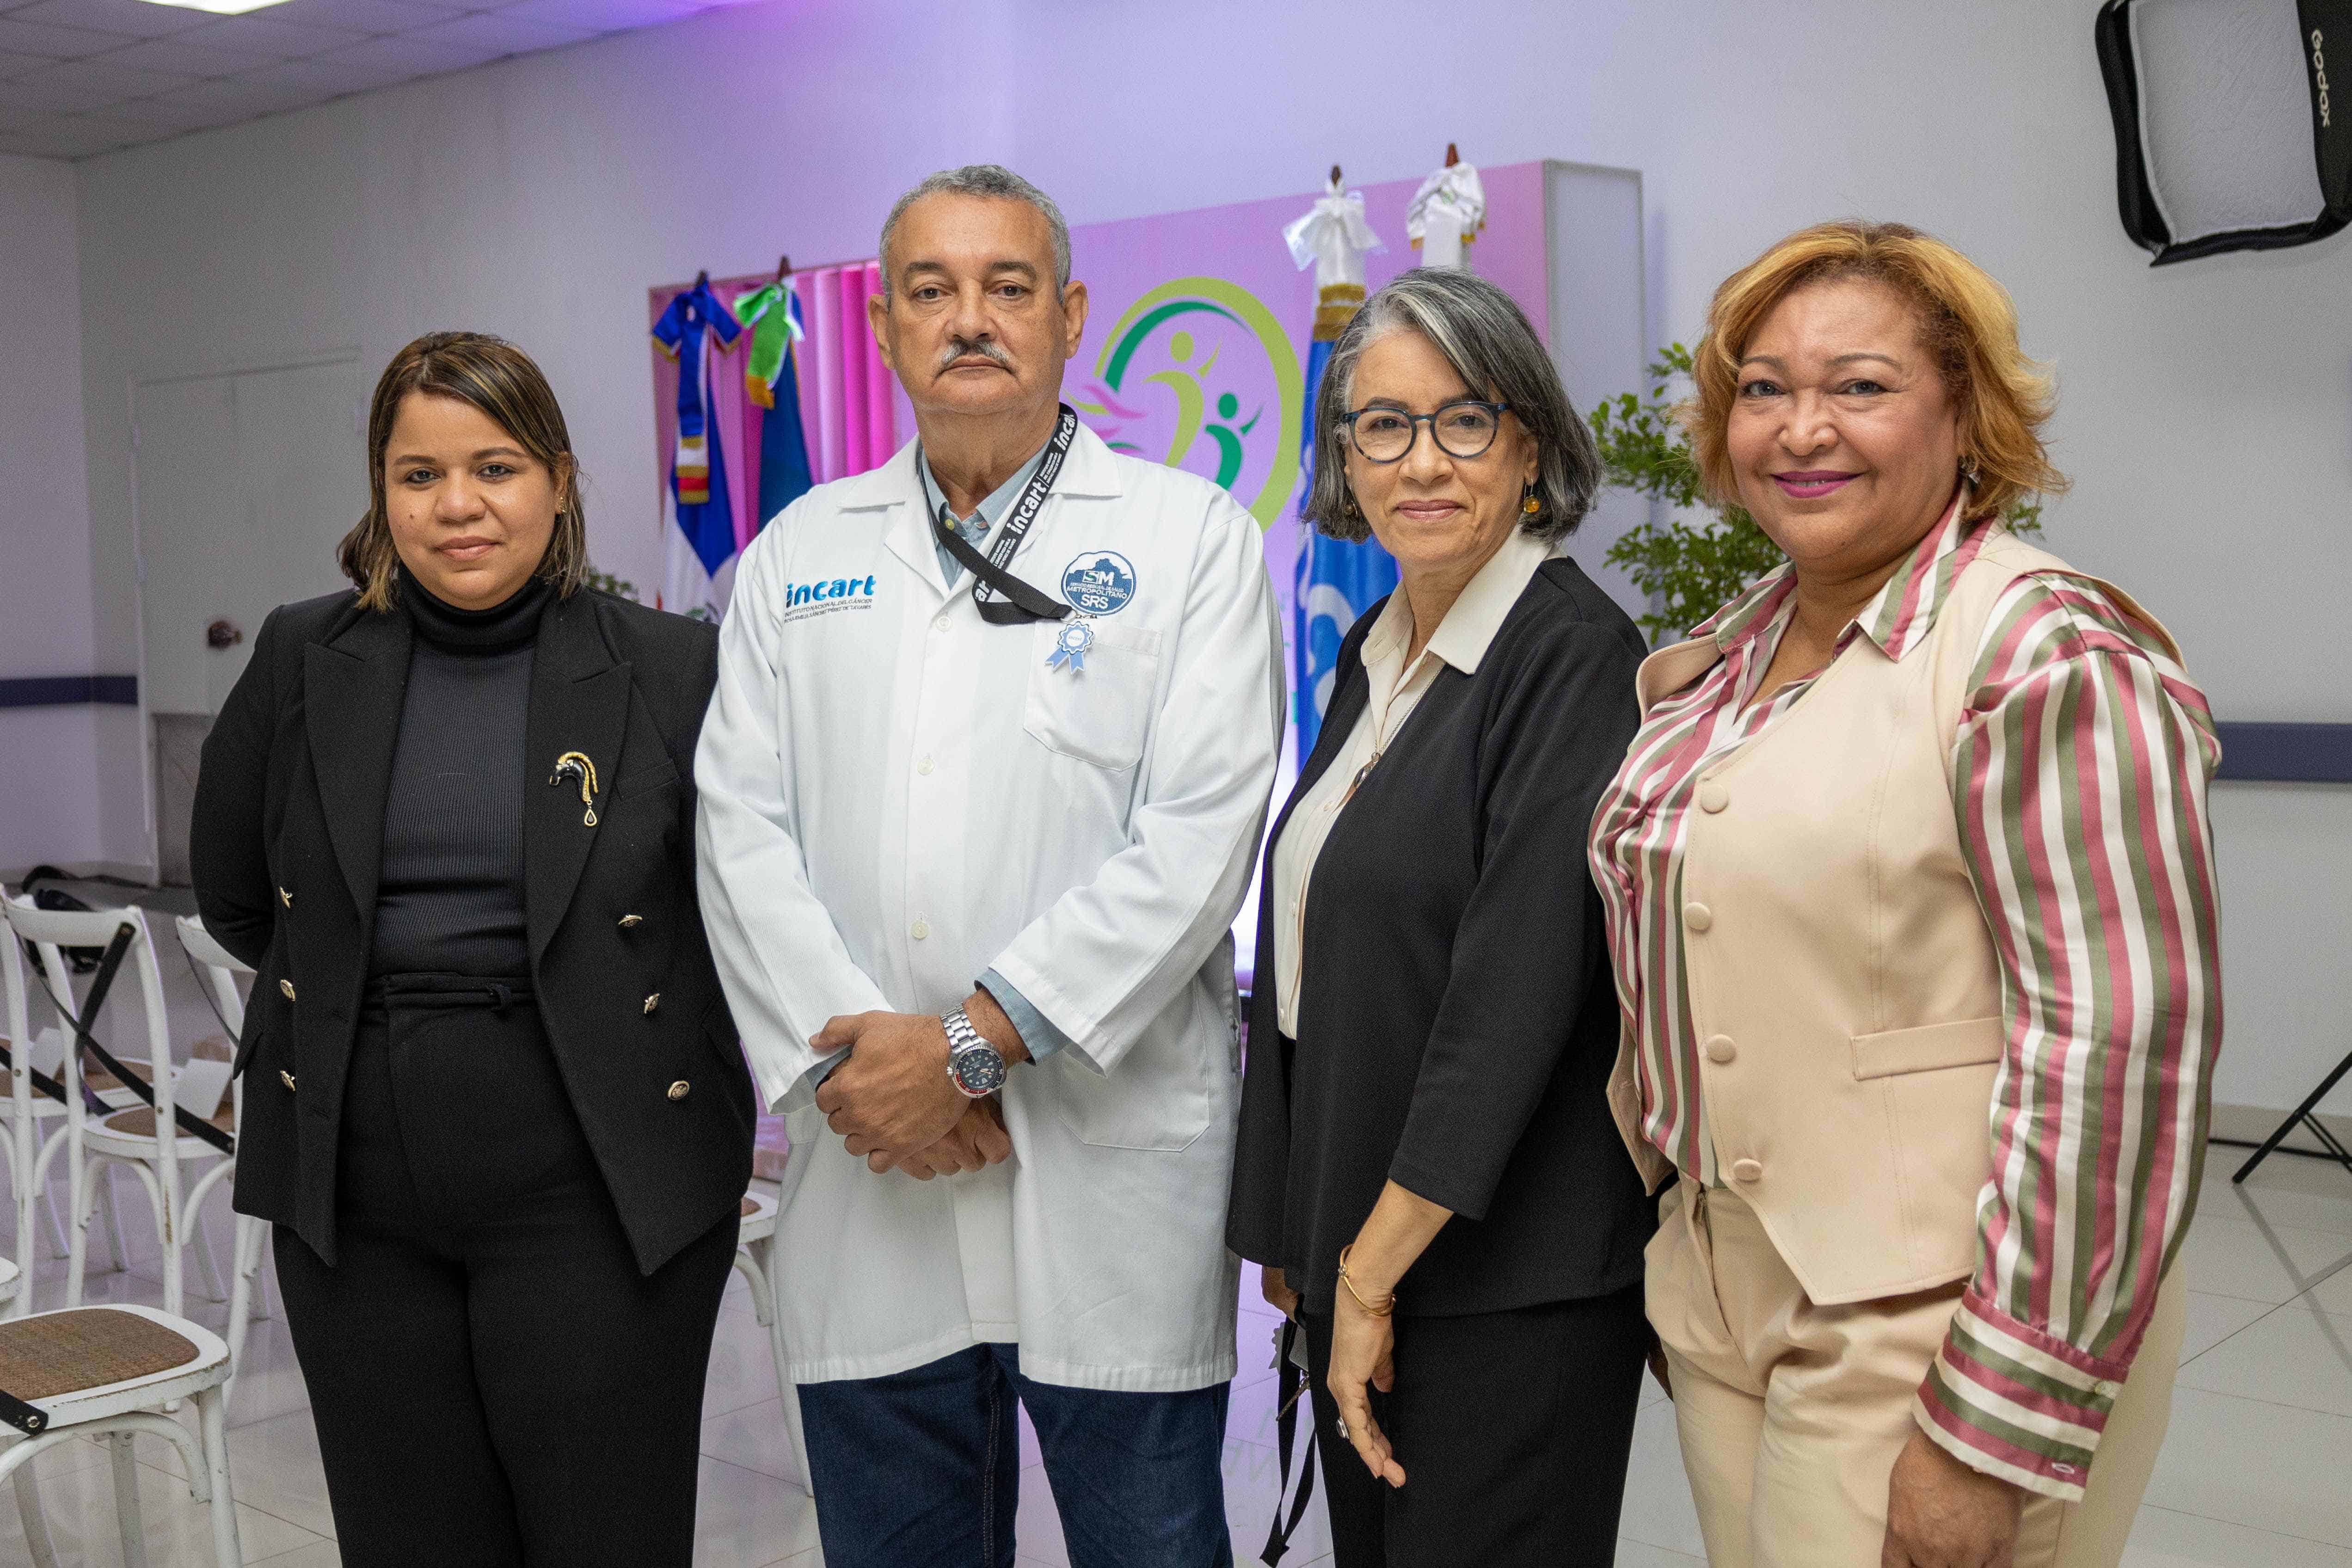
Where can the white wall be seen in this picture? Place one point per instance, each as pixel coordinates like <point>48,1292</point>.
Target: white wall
<point>48,756</point>
<point>2206,410</point>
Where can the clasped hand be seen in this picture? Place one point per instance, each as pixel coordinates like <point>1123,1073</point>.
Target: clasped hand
<point>892,1101</point>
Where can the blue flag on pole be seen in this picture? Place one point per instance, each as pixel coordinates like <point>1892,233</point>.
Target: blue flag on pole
<point>1336,581</point>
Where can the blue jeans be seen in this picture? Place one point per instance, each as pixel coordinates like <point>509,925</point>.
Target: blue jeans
<point>922,1468</point>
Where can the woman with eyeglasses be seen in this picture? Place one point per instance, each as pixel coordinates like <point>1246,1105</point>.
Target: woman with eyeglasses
<point>1427,1168</point>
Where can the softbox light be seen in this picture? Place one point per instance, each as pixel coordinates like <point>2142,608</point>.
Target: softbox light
<point>2226,135</point>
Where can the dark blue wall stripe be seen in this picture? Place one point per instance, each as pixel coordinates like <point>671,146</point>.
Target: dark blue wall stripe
<point>2288,753</point>
<point>69,690</point>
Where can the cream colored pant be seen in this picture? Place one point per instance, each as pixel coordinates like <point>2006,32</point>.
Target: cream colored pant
<point>1791,1414</point>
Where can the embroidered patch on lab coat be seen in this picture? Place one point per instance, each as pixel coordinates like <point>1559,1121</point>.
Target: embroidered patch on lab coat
<point>1098,583</point>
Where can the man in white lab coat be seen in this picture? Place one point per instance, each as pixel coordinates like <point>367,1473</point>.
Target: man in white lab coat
<point>982,787</point>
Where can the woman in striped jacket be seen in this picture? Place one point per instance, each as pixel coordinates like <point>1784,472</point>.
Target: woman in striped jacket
<point>1911,898</point>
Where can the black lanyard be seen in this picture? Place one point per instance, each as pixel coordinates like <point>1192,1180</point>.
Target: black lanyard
<point>1004,599</point>
<point>1290,1392</point>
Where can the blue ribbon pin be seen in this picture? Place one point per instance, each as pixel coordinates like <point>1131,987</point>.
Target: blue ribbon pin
<point>1070,648</point>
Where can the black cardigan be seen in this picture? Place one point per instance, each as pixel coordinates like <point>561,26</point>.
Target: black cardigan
<point>1457,1022</point>
<point>287,847</point>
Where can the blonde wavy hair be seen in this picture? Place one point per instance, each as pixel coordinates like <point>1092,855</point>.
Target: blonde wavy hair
<point>504,384</point>
<point>1968,324</point>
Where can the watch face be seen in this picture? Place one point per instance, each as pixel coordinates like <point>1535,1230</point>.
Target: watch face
<point>980,1070</point>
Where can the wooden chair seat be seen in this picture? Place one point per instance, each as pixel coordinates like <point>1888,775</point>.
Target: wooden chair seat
<point>104,1083</point>
<point>86,1348</point>
<point>139,1122</point>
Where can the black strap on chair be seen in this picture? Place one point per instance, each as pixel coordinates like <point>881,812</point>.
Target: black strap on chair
<point>29,1419</point>
<point>1291,1391</point>
<point>108,964</point>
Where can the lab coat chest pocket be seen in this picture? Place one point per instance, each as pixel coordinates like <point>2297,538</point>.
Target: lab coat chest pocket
<point>1100,712</point>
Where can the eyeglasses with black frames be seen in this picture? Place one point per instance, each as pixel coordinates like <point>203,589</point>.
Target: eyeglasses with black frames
<point>1463,429</point>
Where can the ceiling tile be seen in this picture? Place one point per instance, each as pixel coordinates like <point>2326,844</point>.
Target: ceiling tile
<point>322,77</point>
<point>604,15</point>
<point>363,15</point>
<point>135,18</point>
<point>165,115</point>
<point>263,34</point>
<point>58,43</point>
<point>189,60</point>
<point>104,82</point>
<point>31,95</point>
<point>74,90</point>
<point>408,56</point>
<point>493,34</point>
<point>235,98</point>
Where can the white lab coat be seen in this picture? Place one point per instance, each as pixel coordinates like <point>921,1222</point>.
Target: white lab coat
<point>896,796</point>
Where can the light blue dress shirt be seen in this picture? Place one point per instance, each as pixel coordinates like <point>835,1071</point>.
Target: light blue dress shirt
<point>1039,1035</point>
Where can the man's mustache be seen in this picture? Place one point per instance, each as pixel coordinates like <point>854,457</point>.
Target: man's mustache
<point>965,348</point>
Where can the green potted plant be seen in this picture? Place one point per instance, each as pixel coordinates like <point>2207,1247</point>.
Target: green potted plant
<point>1688,569</point>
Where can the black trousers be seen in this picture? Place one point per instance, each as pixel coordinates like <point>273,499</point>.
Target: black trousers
<point>493,1381</point>
<point>1513,1429</point>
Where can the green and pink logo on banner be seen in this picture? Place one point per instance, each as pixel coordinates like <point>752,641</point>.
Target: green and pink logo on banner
<point>1201,376</point>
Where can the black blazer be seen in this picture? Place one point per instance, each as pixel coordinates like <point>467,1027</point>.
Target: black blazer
<point>286,844</point>
<point>1457,1022</point>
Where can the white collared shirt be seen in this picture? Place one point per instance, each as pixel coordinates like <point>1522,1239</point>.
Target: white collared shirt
<point>896,796</point>
<point>1397,687</point>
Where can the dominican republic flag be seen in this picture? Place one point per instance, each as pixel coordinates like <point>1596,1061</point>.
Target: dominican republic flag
<point>1337,581</point>
<point>699,531</point>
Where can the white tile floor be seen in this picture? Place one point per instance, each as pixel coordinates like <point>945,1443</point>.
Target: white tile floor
<point>2257,1471</point>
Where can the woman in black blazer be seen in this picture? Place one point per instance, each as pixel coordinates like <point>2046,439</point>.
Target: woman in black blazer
<point>1427,1167</point>
<point>495,1106</point>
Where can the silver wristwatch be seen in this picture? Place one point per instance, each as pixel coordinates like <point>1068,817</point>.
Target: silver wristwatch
<point>976,1066</point>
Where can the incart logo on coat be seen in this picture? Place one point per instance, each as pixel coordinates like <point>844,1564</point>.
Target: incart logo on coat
<point>822,598</point>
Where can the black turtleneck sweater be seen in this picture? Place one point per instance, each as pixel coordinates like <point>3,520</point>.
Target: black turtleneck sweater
<point>449,897</point>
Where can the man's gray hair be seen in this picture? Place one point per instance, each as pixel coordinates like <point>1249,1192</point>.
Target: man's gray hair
<point>983,179</point>
<point>1493,347</point>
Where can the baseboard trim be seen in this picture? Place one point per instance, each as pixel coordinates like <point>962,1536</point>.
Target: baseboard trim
<point>2252,1124</point>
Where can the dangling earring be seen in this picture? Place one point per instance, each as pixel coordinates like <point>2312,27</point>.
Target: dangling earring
<point>1528,505</point>
<point>1969,471</point>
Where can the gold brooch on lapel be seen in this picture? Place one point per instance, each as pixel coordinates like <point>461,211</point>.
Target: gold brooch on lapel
<point>575,764</point>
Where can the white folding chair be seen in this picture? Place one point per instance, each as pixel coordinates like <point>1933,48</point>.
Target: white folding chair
<point>129,1137</point>
<point>759,1259</point>
<point>247,1291</point>
<point>108,1370</point>
<point>38,1124</point>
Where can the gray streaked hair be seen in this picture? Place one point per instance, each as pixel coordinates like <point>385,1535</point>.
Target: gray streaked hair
<point>982,180</point>
<point>1494,348</point>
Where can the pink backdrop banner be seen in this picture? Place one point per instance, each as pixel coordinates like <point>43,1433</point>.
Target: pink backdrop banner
<point>1193,355</point>
<point>1199,325</point>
